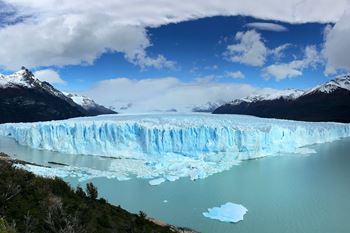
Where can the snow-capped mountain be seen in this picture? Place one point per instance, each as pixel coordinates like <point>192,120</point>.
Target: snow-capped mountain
<point>89,105</point>
<point>24,98</point>
<point>288,94</point>
<point>327,102</point>
<point>208,107</point>
<point>341,82</point>
<point>24,78</point>
<point>21,78</point>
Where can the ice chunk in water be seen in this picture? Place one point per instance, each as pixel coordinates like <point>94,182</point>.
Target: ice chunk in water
<point>157,181</point>
<point>229,212</point>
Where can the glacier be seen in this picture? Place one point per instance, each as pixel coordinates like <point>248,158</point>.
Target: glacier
<point>166,146</point>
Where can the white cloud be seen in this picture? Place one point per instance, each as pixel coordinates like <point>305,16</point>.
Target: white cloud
<point>282,71</point>
<point>337,46</point>
<point>267,26</point>
<point>249,50</point>
<point>165,93</point>
<point>49,76</point>
<point>294,68</point>
<point>73,39</point>
<point>62,32</point>
<point>160,12</point>
<point>278,52</point>
<point>327,29</point>
<point>235,75</point>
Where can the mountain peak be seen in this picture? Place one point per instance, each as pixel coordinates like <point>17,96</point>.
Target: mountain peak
<point>88,104</point>
<point>288,94</point>
<point>341,81</point>
<point>14,80</point>
<point>25,72</point>
<point>327,102</point>
<point>22,78</point>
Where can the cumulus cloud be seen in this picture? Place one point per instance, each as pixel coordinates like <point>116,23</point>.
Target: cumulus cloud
<point>72,40</point>
<point>235,74</point>
<point>283,71</point>
<point>165,93</point>
<point>294,68</point>
<point>49,76</point>
<point>250,49</point>
<point>65,32</point>
<point>267,26</point>
<point>337,46</point>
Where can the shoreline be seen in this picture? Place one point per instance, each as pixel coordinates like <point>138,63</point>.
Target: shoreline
<point>176,229</point>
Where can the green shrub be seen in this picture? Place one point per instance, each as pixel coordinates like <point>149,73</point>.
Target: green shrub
<point>80,192</point>
<point>5,227</point>
<point>92,192</point>
<point>41,205</point>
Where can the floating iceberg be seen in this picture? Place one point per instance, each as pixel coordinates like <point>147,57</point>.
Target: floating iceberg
<point>172,145</point>
<point>229,212</point>
<point>157,181</point>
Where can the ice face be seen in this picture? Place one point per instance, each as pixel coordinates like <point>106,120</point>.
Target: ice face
<point>170,146</point>
<point>229,212</point>
<point>189,135</point>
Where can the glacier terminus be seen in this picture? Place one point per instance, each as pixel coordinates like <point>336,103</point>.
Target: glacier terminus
<point>166,146</point>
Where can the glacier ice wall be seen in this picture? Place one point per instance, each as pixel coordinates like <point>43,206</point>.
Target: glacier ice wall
<point>165,147</point>
<point>154,136</point>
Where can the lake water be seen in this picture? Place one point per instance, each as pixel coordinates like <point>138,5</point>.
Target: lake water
<point>282,194</point>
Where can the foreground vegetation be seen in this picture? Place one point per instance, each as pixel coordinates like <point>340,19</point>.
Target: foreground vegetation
<point>31,204</point>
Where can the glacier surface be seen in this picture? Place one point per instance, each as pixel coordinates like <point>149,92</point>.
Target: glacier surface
<point>229,212</point>
<point>168,146</point>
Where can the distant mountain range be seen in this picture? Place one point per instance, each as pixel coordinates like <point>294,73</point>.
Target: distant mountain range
<point>208,107</point>
<point>327,102</point>
<point>24,98</point>
<point>89,105</point>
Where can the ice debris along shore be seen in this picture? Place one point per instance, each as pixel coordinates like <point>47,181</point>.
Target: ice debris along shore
<point>168,146</point>
<point>229,212</point>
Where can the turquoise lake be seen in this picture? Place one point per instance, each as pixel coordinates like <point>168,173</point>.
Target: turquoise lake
<point>287,193</point>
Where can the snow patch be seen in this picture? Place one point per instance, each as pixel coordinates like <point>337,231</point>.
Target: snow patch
<point>83,101</point>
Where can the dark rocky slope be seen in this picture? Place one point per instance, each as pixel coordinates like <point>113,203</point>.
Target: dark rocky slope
<point>328,102</point>
<point>23,98</point>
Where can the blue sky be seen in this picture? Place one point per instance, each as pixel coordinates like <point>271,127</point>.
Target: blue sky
<point>197,48</point>
<point>207,49</point>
